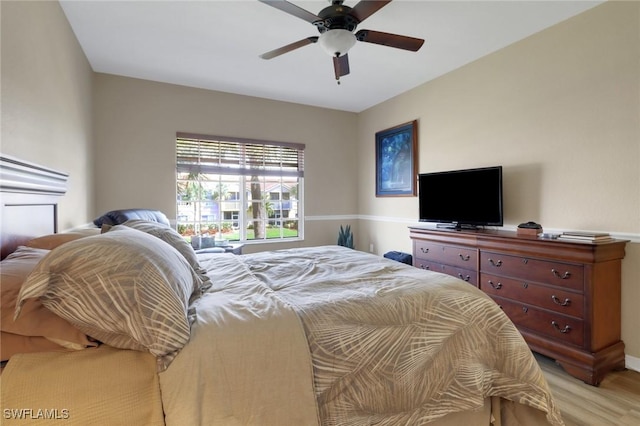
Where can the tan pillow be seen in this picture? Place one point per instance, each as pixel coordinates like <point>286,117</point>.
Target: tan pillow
<point>35,320</point>
<point>125,288</point>
<point>51,241</point>
<point>11,344</point>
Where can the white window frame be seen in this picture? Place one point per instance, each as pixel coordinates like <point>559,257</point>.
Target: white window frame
<point>240,158</point>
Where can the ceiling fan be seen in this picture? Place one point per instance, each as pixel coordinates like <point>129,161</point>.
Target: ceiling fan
<point>336,24</point>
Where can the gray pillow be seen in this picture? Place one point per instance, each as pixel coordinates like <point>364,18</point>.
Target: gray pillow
<point>118,217</point>
<point>171,237</point>
<point>124,288</point>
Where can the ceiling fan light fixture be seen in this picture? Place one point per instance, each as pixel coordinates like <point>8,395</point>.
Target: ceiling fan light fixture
<point>337,42</point>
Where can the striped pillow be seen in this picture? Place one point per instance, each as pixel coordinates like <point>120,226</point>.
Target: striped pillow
<point>124,288</point>
<point>171,237</point>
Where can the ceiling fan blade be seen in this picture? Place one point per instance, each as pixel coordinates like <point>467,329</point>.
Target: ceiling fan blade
<point>292,9</point>
<point>289,47</point>
<point>391,40</point>
<point>341,65</point>
<point>366,8</point>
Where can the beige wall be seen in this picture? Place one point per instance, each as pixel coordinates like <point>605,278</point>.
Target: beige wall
<point>136,122</point>
<point>559,110</point>
<point>46,99</point>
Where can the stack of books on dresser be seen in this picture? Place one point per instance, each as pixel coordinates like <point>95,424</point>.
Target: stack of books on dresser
<point>587,237</point>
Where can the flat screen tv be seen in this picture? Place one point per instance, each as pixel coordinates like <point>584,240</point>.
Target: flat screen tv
<point>469,198</point>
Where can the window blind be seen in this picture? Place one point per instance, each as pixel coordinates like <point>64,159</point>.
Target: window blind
<point>233,156</point>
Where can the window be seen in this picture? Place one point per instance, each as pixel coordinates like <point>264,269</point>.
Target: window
<point>246,190</point>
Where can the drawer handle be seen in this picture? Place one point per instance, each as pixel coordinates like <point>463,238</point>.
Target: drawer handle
<point>525,309</point>
<point>465,258</point>
<point>425,267</point>
<point>496,286</point>
<point>462,277</point>
<point>557,301</point>
<point>564,276</point>
<point>564,330</point>
<point>424,250</point>
<point>496,264</point>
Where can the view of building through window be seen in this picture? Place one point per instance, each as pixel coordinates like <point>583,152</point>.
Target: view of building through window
<point>238,189</point>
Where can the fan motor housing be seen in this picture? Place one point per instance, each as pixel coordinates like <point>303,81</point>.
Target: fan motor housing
<point>334,17</point>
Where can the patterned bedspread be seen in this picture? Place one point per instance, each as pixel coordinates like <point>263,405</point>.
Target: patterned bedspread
<point>345,338</point>
<point>392,344</point>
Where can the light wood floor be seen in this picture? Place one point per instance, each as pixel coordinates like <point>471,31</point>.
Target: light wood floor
<point>615,402</point>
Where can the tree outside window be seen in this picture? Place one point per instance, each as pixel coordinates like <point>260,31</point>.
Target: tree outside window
<point>242,190</point>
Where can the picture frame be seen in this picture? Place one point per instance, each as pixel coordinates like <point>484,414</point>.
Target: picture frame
<point>397,161</point>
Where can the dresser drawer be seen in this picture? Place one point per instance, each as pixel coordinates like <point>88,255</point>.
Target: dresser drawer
<point>426,264</point>
<point>549,272</point>
<point>549,324</point>
<point>464,274</point>
<point>462,257</point>
<point>548,297</point>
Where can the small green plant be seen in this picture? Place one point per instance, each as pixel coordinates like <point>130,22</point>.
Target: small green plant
<point>345,237</point>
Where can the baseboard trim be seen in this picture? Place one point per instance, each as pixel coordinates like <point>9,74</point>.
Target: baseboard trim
<point>632,363</point>
<point>332,217</point>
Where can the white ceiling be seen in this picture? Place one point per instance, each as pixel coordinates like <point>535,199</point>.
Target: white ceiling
<point>216,44</point>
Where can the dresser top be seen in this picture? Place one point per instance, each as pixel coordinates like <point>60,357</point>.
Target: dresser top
<point>530,245</point>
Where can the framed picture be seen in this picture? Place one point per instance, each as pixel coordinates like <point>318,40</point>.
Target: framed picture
<point>397,161</point>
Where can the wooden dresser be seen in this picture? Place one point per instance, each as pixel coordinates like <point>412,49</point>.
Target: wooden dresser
<point>564,297</point>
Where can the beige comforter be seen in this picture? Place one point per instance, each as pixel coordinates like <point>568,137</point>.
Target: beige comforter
<point>388,344</point>
<point>247,362</point>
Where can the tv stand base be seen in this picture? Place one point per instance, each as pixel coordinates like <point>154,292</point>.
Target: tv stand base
<point>458,226</point>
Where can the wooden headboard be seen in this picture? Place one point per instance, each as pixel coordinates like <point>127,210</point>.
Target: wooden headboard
<point>29,195</point>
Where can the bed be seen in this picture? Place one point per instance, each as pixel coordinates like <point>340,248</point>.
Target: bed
<point>311,336</point>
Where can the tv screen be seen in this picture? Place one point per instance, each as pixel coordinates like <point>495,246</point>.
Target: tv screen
<point>462,198</point>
